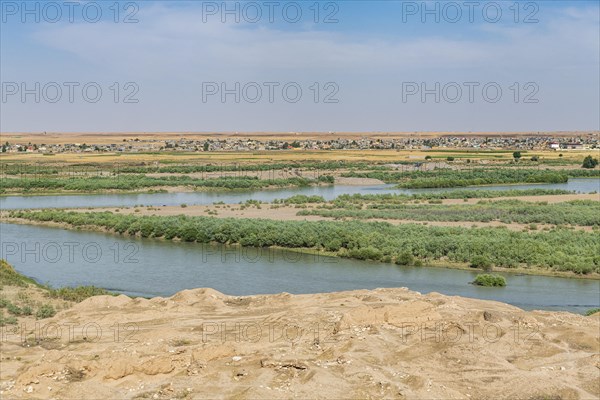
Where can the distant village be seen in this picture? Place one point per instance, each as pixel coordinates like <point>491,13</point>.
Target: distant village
<point>582,142</point>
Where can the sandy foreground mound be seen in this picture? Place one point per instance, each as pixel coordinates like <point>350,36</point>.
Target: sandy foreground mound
<point>385,343</point>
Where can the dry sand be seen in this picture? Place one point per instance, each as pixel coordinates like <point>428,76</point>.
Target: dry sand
<point>384,343</point>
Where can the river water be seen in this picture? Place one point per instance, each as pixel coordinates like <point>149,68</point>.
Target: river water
<point>202,198</point>
<point>150,267</point>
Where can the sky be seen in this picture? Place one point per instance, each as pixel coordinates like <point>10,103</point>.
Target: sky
<point>340,66</point>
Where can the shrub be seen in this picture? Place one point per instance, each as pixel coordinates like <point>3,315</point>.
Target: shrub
<point>10,320</point>
<point>13,309</point>
<point>482,262</point>
<point>45,311</point>
<point>405,258</point>
<point>589,162</point>
<point>77,294</point>
<point>183,205</point>
<point>326,179</point>
<point>489,280</point>
<point>366,253</point>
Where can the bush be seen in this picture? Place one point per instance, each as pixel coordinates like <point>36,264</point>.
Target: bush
<point>366,253</point>
<point>78,294</point>
<point>481,262</point>
<point>10,320</point>
<point>589,162</point>
<point>45,311</point>
<point>326,179</point>
<point>13,309</point>
<point>489,280</point>
<point>405,258</point>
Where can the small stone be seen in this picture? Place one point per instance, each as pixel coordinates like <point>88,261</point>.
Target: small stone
<point>236,358</point>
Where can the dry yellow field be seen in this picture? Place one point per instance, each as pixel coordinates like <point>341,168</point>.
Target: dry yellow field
<point>281,156</point>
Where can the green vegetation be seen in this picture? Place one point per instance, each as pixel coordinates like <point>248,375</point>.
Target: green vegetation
<point>589,162</point>
<point>300,199</point>
<point>77,294</point>
<point>592,311</point>
<point>489,280</point>
<point>453,194</point>
<point>45,311</point>
<point>577,212</point>
<point>133,182</point>
<point>168,167</point>
<point>557,249</point>
<point>10,320</point>
<point>10,277</point>
<point>14,310</point>
<point>481,261</point>
<point>445,178</point>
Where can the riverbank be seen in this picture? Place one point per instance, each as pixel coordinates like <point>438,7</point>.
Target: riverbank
<point>441,263</point>
<point>382,343</point>
<point>154,189</point>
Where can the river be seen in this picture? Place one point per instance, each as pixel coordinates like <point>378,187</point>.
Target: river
<point>150,267</point>
<point>230,197</point>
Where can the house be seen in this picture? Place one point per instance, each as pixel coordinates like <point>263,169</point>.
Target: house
<point>554,145</point>
<point>572,146</point>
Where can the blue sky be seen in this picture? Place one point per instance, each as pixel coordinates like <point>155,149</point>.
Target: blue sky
<point>543,56</point>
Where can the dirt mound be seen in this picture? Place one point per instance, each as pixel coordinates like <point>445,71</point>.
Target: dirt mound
<point>384,343</point>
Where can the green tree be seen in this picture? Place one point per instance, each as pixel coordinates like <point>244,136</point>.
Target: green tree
<point>481,261</point>
<point>517,155</point>
<point>589,162</point>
